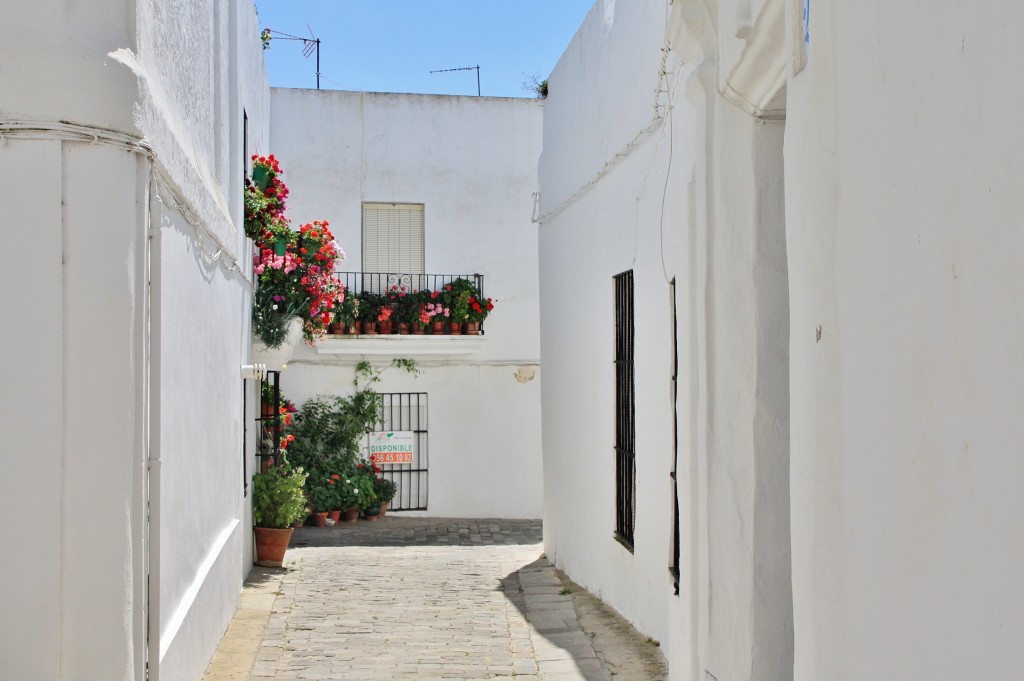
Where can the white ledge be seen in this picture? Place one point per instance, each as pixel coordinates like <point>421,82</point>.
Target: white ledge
<point>397,345</point>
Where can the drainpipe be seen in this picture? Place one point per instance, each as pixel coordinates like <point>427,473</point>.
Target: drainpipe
<point>153,460</point>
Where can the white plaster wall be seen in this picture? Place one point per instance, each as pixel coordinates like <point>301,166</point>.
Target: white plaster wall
<point>472,163</point>
<point>33,448</point>
<point>79,588</point>
<point>196,83</point>
<point>721,234</point>
<point>601,96</point>
<point>55,60</point>
<point>904,204</point>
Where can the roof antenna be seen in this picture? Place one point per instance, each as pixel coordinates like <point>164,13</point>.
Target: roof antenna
<point>309,45</point>
<point>465,68</point>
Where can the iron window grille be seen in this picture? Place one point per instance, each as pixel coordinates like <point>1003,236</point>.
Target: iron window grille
<point>407,412</point>
<point>625,411</point>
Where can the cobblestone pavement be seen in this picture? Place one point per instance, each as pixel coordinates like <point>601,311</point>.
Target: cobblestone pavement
<point>432,600</point>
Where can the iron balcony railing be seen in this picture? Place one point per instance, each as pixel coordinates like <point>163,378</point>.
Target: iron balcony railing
<point>382,282</point>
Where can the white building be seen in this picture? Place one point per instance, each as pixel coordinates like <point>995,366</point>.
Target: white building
<point>464,169</point>
<point>832,190</point>
<point>123,129</point>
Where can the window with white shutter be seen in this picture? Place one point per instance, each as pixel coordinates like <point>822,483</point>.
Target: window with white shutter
<point>393,238</point>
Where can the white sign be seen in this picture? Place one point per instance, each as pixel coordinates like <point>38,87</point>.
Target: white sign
<point>396,446</point>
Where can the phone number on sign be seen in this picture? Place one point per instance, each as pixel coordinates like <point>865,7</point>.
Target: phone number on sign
<point>392,457</point>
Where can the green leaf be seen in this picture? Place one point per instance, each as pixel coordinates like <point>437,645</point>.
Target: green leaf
<point>261,176</point>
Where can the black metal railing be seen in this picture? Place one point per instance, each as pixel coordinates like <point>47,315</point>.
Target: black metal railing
<point>382,282</point>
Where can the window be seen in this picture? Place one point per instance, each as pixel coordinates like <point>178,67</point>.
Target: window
<point>625,412</point>
<point>673,568</point>
<point>393,238</point>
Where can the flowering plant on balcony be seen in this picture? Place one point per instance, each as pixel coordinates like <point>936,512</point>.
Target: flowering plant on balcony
<point>479,308</point>
<point>294,270</point>
<point>457,295</point>
<point>405,303</point>
<point>348,312</point>
<point>433,309</point>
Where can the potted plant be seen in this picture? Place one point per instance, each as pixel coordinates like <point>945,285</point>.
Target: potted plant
<point>457,295</point>
<point>277,503</point>
<point>406,306</point>
<point>369,310</point>
<point>354,491</point>
<point>323,495</point>
<point>434,312</point>
<point>477,312</point>
<point>385,490</point>
<point>365,476</point>
<point>347,313</point>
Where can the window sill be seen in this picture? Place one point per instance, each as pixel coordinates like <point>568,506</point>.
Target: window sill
<point>395,345</point>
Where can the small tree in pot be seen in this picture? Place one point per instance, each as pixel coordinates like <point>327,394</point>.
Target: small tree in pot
<point>277,503</point>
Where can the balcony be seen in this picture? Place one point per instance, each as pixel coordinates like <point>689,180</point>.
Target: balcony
<point>426,344</point>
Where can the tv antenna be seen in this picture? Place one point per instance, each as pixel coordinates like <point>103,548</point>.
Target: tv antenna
<point>309,45</point>
<point>465,68</point>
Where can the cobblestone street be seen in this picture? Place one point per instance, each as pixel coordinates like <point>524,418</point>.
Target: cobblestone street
<point>427,599</point>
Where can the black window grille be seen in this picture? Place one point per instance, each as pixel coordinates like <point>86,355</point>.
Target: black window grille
<point>407,412</point>
<point>625,412</point>
<point>673,568</point>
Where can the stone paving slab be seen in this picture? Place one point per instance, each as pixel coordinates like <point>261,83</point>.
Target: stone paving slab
<point>435,600</point>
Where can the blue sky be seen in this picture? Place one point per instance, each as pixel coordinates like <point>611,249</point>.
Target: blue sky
<point>392,45</point>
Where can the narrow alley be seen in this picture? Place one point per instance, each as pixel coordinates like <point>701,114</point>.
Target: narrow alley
<point>426,599</point>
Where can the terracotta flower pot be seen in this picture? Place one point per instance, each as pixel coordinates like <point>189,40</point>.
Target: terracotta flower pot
<point>370,328</point>
<point>352,514</point>
<point>403,328</point>
<point>271,545</point>
<point>437,327</point>
<point>472,328</point>
<point>384,508</point>
<point>456,329</point>
<point>320,519</point>
<point>384,326</point>
<point>334,515</point>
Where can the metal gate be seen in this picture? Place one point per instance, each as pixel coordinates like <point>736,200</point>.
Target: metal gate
<point>408,412</point>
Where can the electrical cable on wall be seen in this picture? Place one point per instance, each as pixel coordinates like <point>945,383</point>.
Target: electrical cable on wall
<point>656,121</point>
<point>165,191</point>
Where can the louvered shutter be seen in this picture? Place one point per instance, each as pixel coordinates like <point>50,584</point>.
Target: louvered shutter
<point>393,238</point>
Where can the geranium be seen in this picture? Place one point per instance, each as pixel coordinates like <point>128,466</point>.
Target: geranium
<point>431,310</point>
<point>457,295</point>
<point>294,270</point>
<point>479,308</point>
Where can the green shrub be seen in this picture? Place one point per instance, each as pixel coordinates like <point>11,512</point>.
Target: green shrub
<point>277,497</point>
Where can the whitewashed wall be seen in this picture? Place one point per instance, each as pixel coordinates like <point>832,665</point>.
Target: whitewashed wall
<point>601,95</point>
<point>115,384</point>
<point>472,163</point>
<point>710,214</point>
<point>903,169</point>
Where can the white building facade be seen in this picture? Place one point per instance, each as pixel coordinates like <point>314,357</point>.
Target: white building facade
<point>824,400</point>
<point>467,167</point>
<point>125,127</point>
